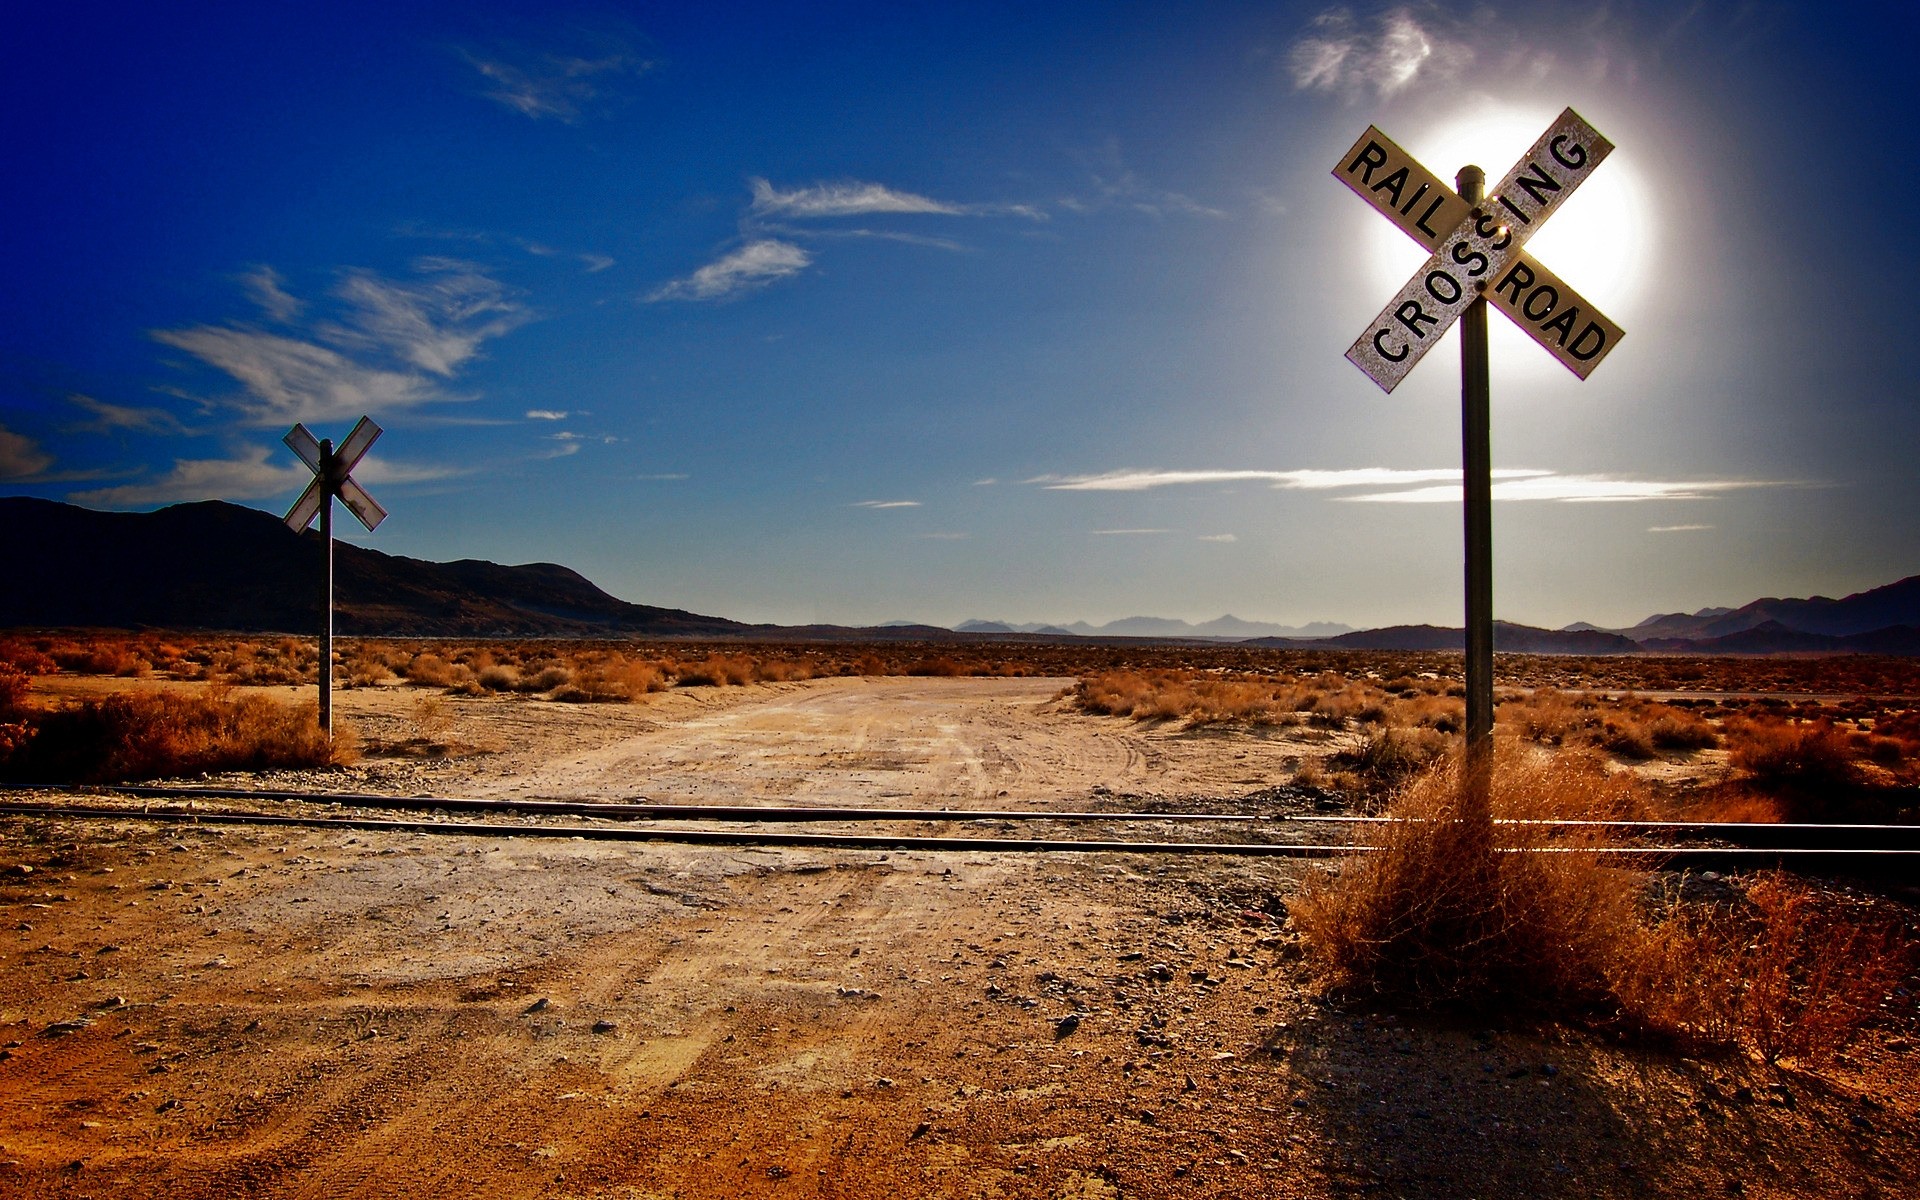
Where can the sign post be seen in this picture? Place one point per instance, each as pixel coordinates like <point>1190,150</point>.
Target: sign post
<point>1477,251</point>
<point>332,476</point>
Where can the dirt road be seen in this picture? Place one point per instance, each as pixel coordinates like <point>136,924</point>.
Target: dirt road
<point>230,1012</point>
<point>963,743</point>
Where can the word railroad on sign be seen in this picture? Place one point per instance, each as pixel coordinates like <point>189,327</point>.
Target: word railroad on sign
<point>1477,251</point>
<point>332,476</point>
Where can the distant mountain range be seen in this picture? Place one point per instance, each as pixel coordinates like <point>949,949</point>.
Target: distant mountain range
<point>1229,628</point>
<point>214,565</point>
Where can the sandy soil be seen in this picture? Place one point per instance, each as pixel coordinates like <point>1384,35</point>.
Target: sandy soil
<point>219,1012</point>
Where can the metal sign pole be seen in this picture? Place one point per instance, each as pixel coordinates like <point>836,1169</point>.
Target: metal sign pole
<point>332,476</point>
<point>326,619</point>
<point>1476,483</point>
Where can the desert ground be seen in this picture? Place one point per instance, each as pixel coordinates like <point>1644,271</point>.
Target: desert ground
<point>236,1011</point>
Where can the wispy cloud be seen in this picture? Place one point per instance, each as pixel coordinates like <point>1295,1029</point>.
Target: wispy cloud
<point>109,417</point>
<point>1117,185</point>
<point>1340,54</point>
<point>1218,537</point>
<point>753,265</point>
<point>392,346</point>
<point>377,471</point>
<point>264,287</point>
<point>886,504</point>
<point>844,199</point>
<point>21,458</point>
<point>557,86</point>
<point>595,263</point>
<point>1510,483</point>
<point>1309,478</point>
<point>436,323</point>
<point>775,217</point>
<point>1676,528</point>
<point>661,477</point>
<point>251,474</point>
<point>1577,489</point>
<point>1128,532</point>
<point>546,414</point>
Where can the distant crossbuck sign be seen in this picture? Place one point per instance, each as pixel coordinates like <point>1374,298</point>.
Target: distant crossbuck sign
<point>1477,250</point>
<point>332,476</point>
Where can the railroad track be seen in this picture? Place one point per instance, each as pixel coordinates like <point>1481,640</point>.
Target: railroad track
<point>1872,849</point>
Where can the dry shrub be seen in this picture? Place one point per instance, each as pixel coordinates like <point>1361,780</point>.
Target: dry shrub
<point>430,670</point>
<point>1780,973</point>
<point>612,681</point>
<point>1514,914</point>
<point>1446,912</point>
<point>365,670</point>
<point>1388,758</point>
<point>1429,711</point>
<point>159,734</point>
<point>547,678</point>
<point>14,712</point>
<point>25,657</point>
<point>1783,756</point>
<point>498,677</point>
<point>1733,804</point>
<point>938,666</point>
<point>784,670</point>
<point>716,670</point>
<point>1205,699</point>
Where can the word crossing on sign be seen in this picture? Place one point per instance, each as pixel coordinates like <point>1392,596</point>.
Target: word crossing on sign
<point>1477,250</point>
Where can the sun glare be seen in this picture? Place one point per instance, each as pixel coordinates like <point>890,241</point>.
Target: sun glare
<point>1599,241</point>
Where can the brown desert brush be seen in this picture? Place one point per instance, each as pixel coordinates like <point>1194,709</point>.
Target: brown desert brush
<point>1453,912</point>
<point>159,734</point>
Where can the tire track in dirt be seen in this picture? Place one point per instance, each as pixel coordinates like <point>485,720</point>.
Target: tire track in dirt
<point>854,741</point>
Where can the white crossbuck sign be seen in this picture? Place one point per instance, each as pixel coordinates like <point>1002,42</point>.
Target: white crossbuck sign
<point>332,475</point>
<point>1477,251</point>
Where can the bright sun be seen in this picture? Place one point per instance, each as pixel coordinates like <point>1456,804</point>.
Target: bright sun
<point>1599,242</point>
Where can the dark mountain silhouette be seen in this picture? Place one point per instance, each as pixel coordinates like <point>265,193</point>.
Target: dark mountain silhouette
<point>214,565</point>
<point>1886,607</point>
<point>1516,639</point>
<point>1774,638</point>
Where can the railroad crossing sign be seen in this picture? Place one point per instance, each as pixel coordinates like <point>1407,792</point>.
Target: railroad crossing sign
<point>1477,246</point>
<point>332,476</point>
<point>1477,251</point>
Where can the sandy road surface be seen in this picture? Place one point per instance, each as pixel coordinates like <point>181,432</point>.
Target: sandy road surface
<point>232,1012</point>
<point>964,743</point>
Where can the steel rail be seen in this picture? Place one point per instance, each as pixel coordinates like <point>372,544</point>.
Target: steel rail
<point>622,808</point>
<point>1800,835</point>
<point>1854,861</point>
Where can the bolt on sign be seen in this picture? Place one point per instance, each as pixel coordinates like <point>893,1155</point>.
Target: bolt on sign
<point>332,476</point>
<point>1477,250</point>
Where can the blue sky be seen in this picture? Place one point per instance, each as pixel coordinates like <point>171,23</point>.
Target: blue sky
<point>1034,312</point>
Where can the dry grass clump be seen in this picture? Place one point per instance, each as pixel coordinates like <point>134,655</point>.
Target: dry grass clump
<point>1630,727</point>
<point>612,681</point>
<point>1787,756</point>
<point>1514,915</point>
<point>1783,971</point>
<point>1446,912</point>
<point>1205,698</point>
<point>1386,760</point>
<point>159,734</point>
